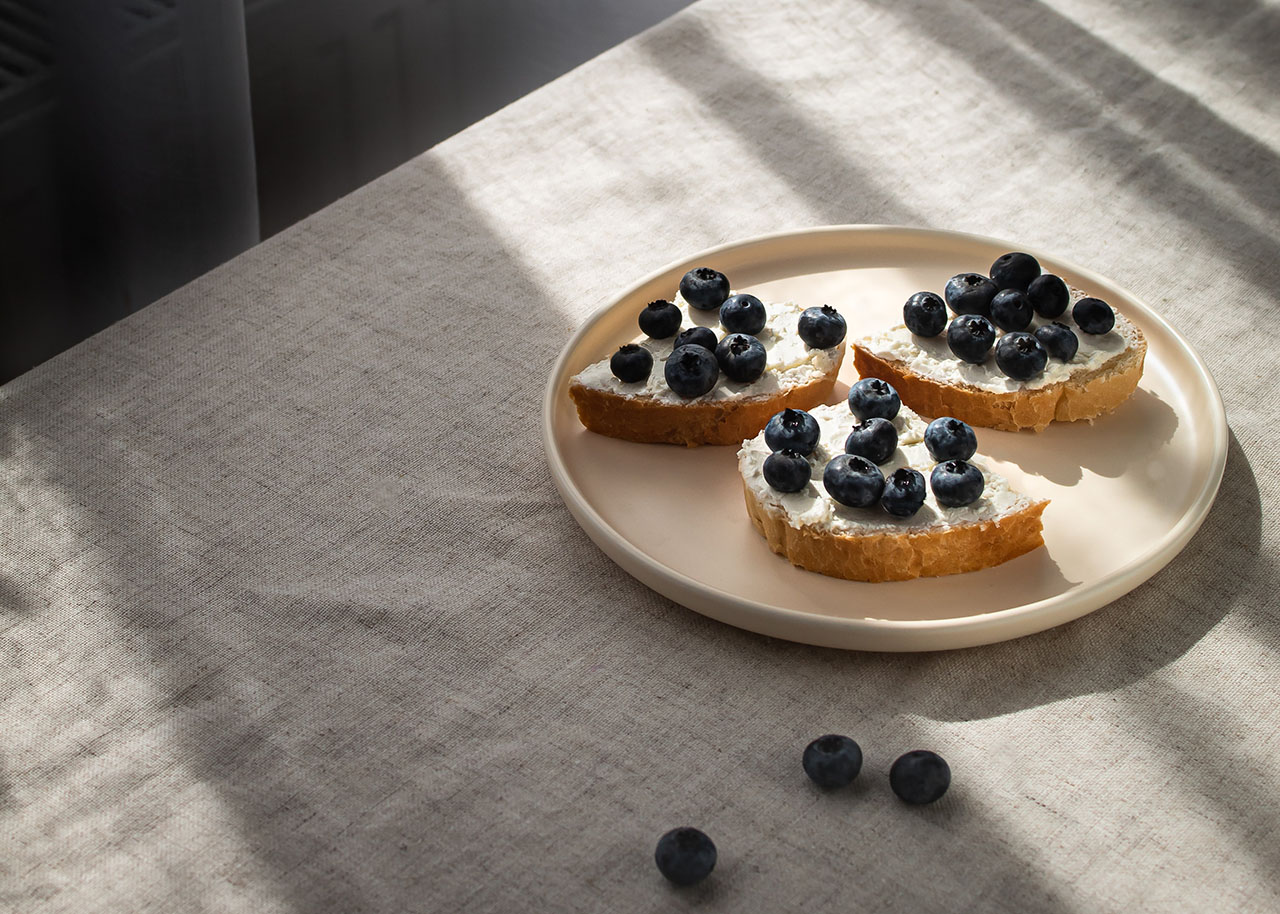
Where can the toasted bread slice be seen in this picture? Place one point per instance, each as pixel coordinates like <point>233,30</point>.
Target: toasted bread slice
<point>1104,373</point>
<point>796,376</point>
<point>817,533</point>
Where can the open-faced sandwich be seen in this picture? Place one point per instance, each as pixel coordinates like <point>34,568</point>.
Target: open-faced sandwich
<point>711,366</point>
<point>1014,350</point>
<point>872,492</point>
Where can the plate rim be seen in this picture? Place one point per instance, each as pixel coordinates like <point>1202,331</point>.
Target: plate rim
<point>843,632</point>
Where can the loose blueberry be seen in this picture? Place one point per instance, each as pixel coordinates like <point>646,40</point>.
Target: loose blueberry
<point>821,328</point>
<point>660,319</point>
<point>1059,340</point>
<point>970,293</point>
<point>1049,295</point>
<point>925,314</point>
<point>854,481</point>
<point>691,371</point>
<point>1093,315</point>
<point>742,313</point>
<point>872,398</point>
<point>631,363</point>
<point>875,438</point>
<point>1015,270</point>
<point>920,776</point>
<point>704,288</point>
<point>1021,356</point>
<point>970,337</point>
<point>904,492</point>
<point>786,470</point>
<point>794,429</point>
<point>1010,310</point>
<point>685,856</point>
<point>956,483</point>
<point>832,761</point>
<point>697,336</point>
<point>741,357</point>
<point>948,438</point>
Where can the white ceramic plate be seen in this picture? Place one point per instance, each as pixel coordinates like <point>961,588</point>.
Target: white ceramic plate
<point>1127,492</point>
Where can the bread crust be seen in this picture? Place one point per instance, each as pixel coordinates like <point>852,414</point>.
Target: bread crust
<point>1085,396</point>
<point>877,557</point>
<point>695,422</point>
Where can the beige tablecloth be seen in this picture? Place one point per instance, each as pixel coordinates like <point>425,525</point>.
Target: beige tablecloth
<point>294,619</point>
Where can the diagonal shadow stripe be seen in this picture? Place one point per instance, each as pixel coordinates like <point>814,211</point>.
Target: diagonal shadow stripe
<point>207,633</point>
<point>1250,29</point>
<point>800,152</point>
<point>1234,156</point>
<point>978,30</point>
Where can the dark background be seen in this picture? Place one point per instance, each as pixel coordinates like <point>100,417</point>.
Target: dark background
<point>143,142</point>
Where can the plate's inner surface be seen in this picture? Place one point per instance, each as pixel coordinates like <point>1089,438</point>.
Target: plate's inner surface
<point>1116,486</point>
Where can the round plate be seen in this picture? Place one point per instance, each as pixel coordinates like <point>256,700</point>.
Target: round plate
<point>1126,492</point>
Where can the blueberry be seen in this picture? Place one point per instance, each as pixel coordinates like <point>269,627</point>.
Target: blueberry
<point>660,319</point>
<point>741,357</point>
<point>1010,310</point>
<point>704,288</point>
<point>1015,270</point>
<point>832,761</point>
<point>925,314</point>
<point>970,293</point>
<point>1059,340</point>
<point>685,856</point>
<point>948,438</point>
<point>920,776</point>
<point>691,371</point>
<point>854,481</point>
<point>1021,356</point>
<point>786,470</point>
<point>1049,295</point>
<point>821,328</point>
<point>794,429</point>
<point>742,313</point>
<point>697,336</point>
<point>903,492</point>
<point>631,363</point>
<point>872,398</point>
<point>970,337</point>
<point>956,483</point>
<point>1093,315</point>
<point>874,438</point>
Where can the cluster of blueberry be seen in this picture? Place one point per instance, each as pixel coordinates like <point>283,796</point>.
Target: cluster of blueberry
<point>854,477</point>
<point>687,856</point>
<point>698,358</point>
<point>1006,300</point>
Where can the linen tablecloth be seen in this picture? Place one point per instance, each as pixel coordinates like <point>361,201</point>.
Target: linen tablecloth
<point>295,620</point>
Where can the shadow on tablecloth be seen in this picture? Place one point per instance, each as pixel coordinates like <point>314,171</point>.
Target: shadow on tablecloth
<point>1074,81</point>
<point>247,536</point>
<point>1129,640</point>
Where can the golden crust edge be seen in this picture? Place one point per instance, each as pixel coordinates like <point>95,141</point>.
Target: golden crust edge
<point>1086,397</point>
<point>693,423</point>
<point>879,557</point>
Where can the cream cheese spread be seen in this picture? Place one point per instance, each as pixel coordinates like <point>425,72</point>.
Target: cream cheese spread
<point>812,507</point>
<point>930,357</point>
<point>790,363</point>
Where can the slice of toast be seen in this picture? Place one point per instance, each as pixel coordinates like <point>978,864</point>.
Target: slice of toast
<point>1104,373</point>
<point>796,375</point>
<point>817,533</point>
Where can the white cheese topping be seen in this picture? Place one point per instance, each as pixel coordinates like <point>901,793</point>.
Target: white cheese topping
<point>789,362</point>
<point>930,357</point>
<point>813,507</point>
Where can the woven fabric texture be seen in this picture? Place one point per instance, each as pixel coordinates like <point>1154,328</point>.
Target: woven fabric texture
<point>294,619</point>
